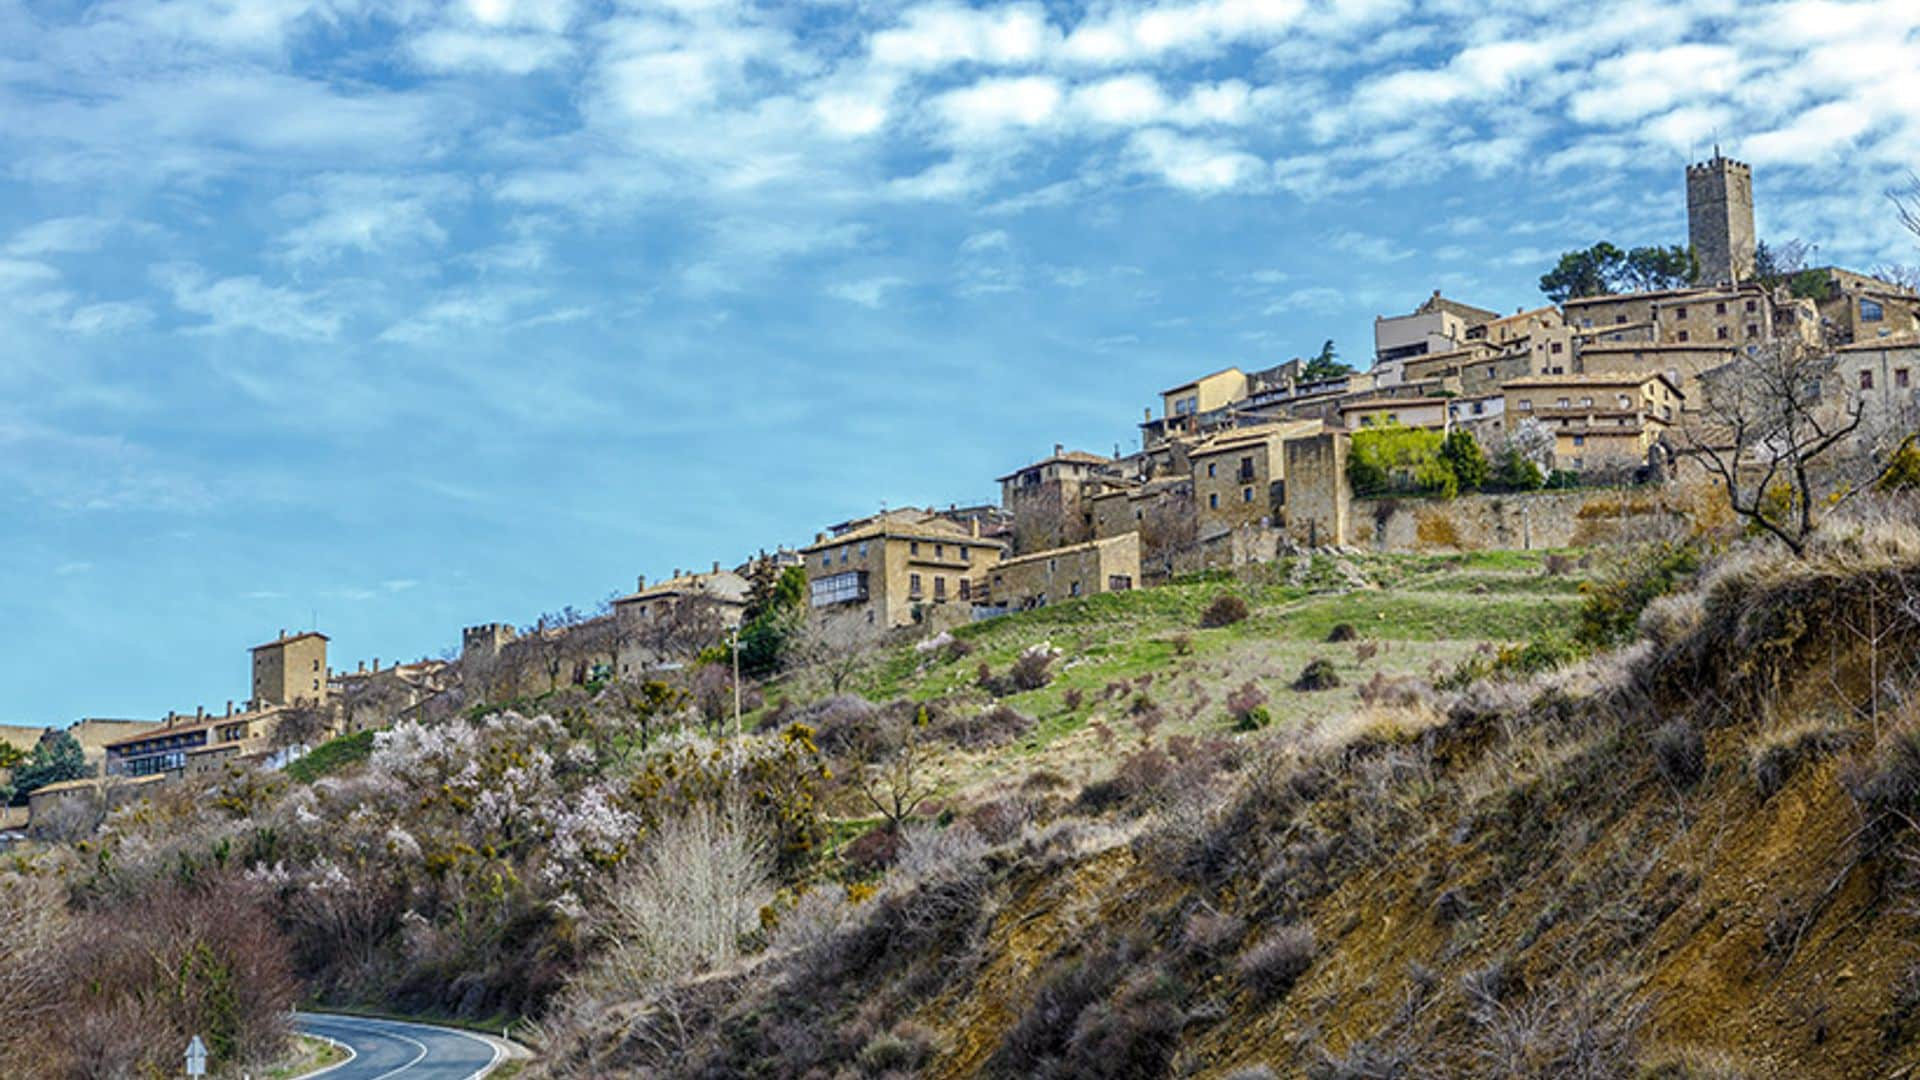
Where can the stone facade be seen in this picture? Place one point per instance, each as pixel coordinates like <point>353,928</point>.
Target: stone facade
<point>1720,219</point>
<point>1598,421</point>
<point>1533,521</point>
<point>1045,577</point>
<point>1239,477</point>
<point>1681,364</point>
<point>1318,496</point>
<point>886,571</point>
<point>1885,374</point>
<point>291,670</point>
<point>1050,500</point>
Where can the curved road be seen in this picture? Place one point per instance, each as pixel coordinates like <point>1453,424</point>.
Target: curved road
<point>391,1050</point>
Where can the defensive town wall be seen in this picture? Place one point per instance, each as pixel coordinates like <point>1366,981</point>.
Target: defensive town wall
<point>1556,519</point>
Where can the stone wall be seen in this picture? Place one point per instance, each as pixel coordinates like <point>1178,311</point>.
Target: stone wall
<point>1537,520</point>
<point>1318,498</point>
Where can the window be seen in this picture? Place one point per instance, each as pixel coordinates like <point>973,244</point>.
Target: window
<point>1900,378</point>
<point>1246,468</point>
<point>1187,406</point>
<point>1684,336</point>
<point>939,551</point>
<point>1626,402</point>
<point>826,558</point>
<point>1720,308</point>
<point>1073,589</point>
<point>913,584</point>
<point>1680,313</point>
<point>1586,401</point>
<point>1366,421</point>
<point>966,553</point>
<point>1393,418</point>
<point>1565,403</point>
<point>1119,583</point>
<point>1579,440</point>
<point>863,551</point>
<point>1870,311</point>
<point>1753,330</point>
<point>839,589</point>
<point>1213,501</point>
<point>1526,404</point>
<point>1866,380</point>
<point>843,556</point>
<point>1209,469</point>
<point>913,548</point>
<point>1752,306</point>
<point>1479,407</point>
<point>1053,566</point>
<point>966,589</point>
<point>1246,495</point>
<point>939,587</point>
<point>1720,332</point>
<point>1579,463</point>
<point>1618,319</point>
<point>316,665</point>
<point>1555,348</point>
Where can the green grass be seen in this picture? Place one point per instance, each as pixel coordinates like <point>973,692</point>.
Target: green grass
<point>332,756</point>
<point>1425,615</point>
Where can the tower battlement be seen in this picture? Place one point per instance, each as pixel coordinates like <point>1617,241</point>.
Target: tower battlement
<point>1720,219</point>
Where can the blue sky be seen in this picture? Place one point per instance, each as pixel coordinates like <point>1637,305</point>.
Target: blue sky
<point>404,316</point>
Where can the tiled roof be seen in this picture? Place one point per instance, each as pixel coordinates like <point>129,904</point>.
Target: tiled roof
<point>291,638</point>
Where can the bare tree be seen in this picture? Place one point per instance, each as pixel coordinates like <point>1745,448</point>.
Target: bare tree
<point>890,764</point>
<point>678,631</point>
<point>304,725</point>
<point>1778,425</point>
<point>1906,203</point>
<point>33,966</point>
<point>1170,523</point>
<point>835,650</point>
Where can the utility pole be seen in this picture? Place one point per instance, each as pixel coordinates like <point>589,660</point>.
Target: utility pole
<point>737,727</point>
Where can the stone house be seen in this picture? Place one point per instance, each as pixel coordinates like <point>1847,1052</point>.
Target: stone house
<point>886,571</point>
<point>1239,477</point>
<point>1437,325</point>
<point>1744,316</point>
<point>1085,569</point>
<point>290,670</point>
<point>1682,364</point>
<point>1430,413</point>
<point>1885,374</point>
<point>1049,498</point>
<point>1598,421</point>
<point>644,620</point>
<point>1482,415</point>
<point>195,745</point>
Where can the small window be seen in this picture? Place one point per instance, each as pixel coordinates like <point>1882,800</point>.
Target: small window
<point>1684,336</point>
<point>1209,468</point>
<point>1579,440</point>
<point>1555,349</point>
<point>1900,378</point>
<point>913,547</point>
<point>1246,495</point>
<point>1752,306</point>
<point>939,551</point>
<point>1753,330</point>
<point>1618,319</point>
<point>1680,313</point>
<point>1565,403</point>
<point>843,556</point>
<point>1526,404</point>
<point>966,553</point>
<point>913,584</point>
<point>1586,402</point>
<point>1870,311</point>
<point>1213,501</point>
<point>863,551</point>
<point>1073,589</point>
<point>939,587</point>
<point>1866,380</point>
<point>316,665</point>
<point>1720,308</point>
<point>966,589</point>
<point>1720,332</point>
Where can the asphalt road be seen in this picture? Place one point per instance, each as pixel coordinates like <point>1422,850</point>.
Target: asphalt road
<point>391,1050</point>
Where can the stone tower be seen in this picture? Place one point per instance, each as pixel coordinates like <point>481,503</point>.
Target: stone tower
<point>1720,219</point>
<point>290,670</point>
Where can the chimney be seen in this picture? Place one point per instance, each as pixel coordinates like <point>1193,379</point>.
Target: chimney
<point>1058,448</point>
<point>642,584</point>
<point>819,538</point>
<point>973,527</point>
<point>199,712</point>
<point>376,665</point>
<point>1147,413</point>
<point>676,572</point>
<point>362,669</point>
<point>283,634</point>
<point>716,566</point>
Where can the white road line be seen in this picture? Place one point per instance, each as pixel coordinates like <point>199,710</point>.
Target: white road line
<point>351,1054</point>
<point>416,1058</point>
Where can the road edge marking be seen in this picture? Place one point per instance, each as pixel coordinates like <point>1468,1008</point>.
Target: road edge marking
<point>351,1055</point>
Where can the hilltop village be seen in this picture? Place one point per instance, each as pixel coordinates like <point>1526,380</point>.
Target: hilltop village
<point>1597,394</point>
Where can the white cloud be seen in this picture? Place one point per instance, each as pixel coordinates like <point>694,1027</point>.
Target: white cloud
<point>867,292</point>
<point>1815,136</point>
<point>246,303</point>
<point>1199,165</point>
<point>366,214</point>
<point>936,35</point>
<point>991,106</point>
<point>450,49</point>
<point>61,235</point>
<point>109,317</point>
<point>991,240</point>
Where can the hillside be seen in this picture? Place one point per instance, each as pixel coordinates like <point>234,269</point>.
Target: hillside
<point>1690,857</point>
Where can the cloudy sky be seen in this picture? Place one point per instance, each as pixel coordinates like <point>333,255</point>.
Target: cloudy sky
<point>401,315</point>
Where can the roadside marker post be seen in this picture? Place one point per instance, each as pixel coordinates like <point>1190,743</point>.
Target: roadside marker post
<point>196,1057</point>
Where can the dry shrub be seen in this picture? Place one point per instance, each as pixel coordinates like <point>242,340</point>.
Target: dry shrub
<point>837,722</point>
<point>1004,819</point>
<point>1210,935</point>
<point>1247,707</point>
<point>1342,632</point>
<point>1680,753</point>
<point>1072,699</point>
<point>684,904</point>
<point>1270,968</point>
<point>902,1051</point>
<point>995,726</point>
<point>1887,789</point>
<point>1776,754</point>
<point>873,850</point>
<point>1319,674</point>
<point>1585,1033</point>
<point>1182,644</point>
<point>1225,610</point>
<point>1099,1014</point>
<point>1365,651</point>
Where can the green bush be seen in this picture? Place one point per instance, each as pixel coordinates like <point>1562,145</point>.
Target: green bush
<point>1462,453</point>
<point>1399,459</point>
<point>1611,613</point>
<point>1319,674</point>
<point>331,756</point>
<point>1225,610</point>
<point>1516,473</point>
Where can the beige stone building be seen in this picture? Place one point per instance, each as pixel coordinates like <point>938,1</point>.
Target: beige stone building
<point>1437,325</point>
<point>1320,497</point>
<point>1049,577</point>
<point>1239,477</point>
<point>1858,308</point>
<point>291,670</point>
<point>725,590</point>
<point>1885,374</point>
<point>1682,364</point>
<point>194,745</point>
<point>1598,421</point>
<point>1623,317</point>
<point>1432,413</point>
<point>887,570</point>
<point>1049,499</point>
<point>1482,415</point>
<point>1744,316</point>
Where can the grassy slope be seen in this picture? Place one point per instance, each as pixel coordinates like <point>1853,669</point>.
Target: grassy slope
<point>1423,613</point>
